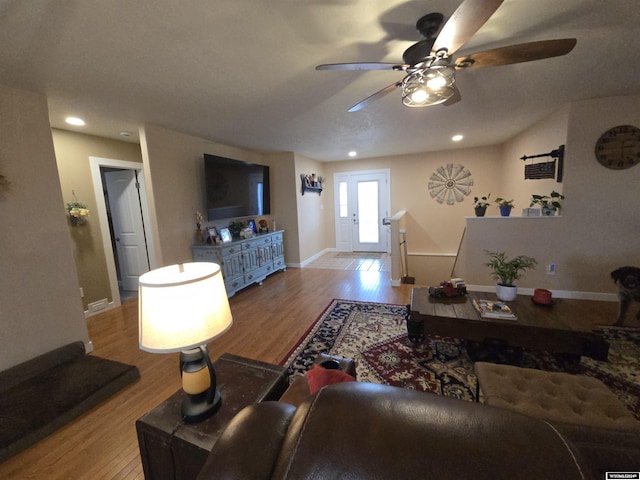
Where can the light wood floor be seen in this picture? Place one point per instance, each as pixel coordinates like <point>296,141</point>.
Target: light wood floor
<point>268,321</point>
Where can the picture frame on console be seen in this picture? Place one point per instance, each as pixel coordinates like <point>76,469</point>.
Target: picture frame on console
<point>213,234</point>
<point>225,235</point>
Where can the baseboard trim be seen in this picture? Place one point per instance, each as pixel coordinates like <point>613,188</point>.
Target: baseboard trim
<point>313,258</point>
<point>605,297</point>
<point>110,306</point>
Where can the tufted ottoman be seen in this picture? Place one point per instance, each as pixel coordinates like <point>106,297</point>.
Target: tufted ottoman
<point>555,397</point>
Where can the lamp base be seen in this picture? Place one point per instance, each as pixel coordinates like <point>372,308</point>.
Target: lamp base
<point>199,383</point>
<point>195,408</point>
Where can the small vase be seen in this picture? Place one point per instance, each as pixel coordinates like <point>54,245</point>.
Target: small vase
<point>199,236</point>
<point>480,211</point>
<point>506,293</point>
<point>505,211</point>
<point>548,211</point>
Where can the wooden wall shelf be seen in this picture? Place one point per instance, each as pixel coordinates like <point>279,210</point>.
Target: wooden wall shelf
<point>311,189</point>
<point>307,188</point>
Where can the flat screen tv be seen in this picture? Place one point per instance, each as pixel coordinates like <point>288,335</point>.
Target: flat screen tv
<point>235,189</point>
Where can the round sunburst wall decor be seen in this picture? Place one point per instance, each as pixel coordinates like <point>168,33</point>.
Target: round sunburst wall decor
<point>450,184</point>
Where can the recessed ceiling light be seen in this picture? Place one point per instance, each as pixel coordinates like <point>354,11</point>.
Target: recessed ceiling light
<point>353,153</point>
<point>125,134</point>
<point>457,138</point>
<point>74,121</point>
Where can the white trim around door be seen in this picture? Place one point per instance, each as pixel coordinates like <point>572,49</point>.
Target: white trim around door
<point>96,163</point>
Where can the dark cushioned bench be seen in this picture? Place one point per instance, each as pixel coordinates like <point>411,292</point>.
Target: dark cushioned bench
<point>42,394</point>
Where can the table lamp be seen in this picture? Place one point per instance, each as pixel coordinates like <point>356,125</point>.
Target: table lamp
<point>181,308</point>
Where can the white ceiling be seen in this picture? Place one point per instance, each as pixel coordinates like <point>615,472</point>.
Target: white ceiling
<point>241,72</point>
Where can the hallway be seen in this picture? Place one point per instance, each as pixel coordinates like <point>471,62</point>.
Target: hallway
<point>353,261</point>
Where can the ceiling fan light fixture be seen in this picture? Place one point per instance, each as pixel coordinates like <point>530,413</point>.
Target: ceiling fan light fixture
<point>428,87</point>
<point>436,82</point>
<point>439,77</point>
<point>418,97</point>
<point>430,75</point>
<point>414,90</point>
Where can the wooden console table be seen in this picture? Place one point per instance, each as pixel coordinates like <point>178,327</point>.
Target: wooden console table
<point>537,327</point>
<point>247,261</point>
<point>173,450</point>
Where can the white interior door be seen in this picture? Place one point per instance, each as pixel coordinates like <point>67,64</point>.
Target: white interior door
<point>362,201</point>
<point>128,229</point>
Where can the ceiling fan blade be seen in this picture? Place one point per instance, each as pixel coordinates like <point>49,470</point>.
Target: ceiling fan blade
<point>464,23</point>
<point>375,96</point>
<point>523,52</point>
<point>455,98</point>
<point>363,66</point>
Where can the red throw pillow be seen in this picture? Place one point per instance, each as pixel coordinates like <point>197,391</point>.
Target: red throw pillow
<point>319,377</point>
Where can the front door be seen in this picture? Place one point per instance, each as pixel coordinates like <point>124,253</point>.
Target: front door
<point>362,201</point>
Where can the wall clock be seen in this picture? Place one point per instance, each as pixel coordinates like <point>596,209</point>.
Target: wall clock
<point>450,184</point>
<point>619,147</point>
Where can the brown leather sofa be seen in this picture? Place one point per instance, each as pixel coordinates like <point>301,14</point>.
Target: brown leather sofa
<point>367,431</point>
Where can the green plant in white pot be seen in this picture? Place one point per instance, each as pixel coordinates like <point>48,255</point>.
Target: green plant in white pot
<point>548,203</point>
<point>508,271</point>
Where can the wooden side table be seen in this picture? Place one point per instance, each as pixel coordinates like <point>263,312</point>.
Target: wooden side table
<point>174,450</point>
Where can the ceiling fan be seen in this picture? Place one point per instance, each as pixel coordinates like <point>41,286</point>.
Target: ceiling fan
<point>430,70</point>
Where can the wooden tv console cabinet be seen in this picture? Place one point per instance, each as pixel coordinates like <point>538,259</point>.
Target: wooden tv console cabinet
<point>245,261</point>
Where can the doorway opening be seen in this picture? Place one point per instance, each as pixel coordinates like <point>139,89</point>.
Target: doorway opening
<point>124,221</point>
<point>361,203</point>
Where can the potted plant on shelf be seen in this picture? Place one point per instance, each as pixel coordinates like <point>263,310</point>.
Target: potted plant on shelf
<point>235,228</point>
<point>508,271</point>
<point>480,205</point>
<point>505,206</point>
<point>549,203</point>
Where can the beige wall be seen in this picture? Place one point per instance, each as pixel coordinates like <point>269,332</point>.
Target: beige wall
<point>434,230</point>
<point>603,220</point>
<point>542,137</point>
<point>174,169</point>
<point>72,155</point>
<point>40,307</point>
<point>283,202</point>
<point>310,209</point>
<point>599,227</point>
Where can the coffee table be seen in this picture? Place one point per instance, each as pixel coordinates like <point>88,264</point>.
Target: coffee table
<point>537,327</point>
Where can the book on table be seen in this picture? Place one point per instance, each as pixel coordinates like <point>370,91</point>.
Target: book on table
<point>493,309</point>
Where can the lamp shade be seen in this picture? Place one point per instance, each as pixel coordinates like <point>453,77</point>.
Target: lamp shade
<point>181,307</point>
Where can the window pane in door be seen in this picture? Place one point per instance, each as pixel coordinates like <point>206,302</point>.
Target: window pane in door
<point>342,199</point>
<point>368,229</point>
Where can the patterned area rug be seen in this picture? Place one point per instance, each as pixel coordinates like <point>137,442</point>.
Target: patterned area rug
<point>375,335</point>
<point>622,372</point>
